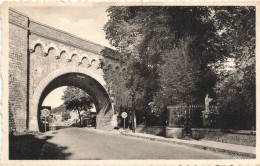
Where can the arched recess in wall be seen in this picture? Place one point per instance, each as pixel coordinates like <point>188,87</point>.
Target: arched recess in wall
<point>75,58</point>
<point>64,56</point>
<point>85,62</point>
<point>36,43</point>
<point>94,63</point>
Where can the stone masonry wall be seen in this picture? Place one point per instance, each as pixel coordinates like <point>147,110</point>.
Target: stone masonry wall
<point>37,50</point>
<point>41,65</point>
<point>18,57</point>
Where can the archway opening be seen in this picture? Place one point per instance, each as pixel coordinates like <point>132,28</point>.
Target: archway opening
<point>69,107</point>
<point>96,91</point>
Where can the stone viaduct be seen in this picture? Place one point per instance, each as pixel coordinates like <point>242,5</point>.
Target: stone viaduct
<point>42,58</point>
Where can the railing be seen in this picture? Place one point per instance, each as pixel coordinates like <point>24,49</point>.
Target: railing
<point>196,114</point>
<point>214,118</point>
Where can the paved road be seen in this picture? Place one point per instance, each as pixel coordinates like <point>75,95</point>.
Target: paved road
<point>80,143</point>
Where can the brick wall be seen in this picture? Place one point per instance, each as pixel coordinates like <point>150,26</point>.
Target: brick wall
<point>18,57</point>
<point>26,69</point>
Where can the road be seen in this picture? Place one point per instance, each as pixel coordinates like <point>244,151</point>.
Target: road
<point>81,143</point>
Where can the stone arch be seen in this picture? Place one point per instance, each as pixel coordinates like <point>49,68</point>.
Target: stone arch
<point>123,69</point>
<point>36,43</point>
<point>109,67</point>
<point>104,106</point>
<point>117,68</point>
<point>53,47</point>
<point>74,53</point>
<point>101,63</point>
<point>52,51</point>
<point>37,47</point>
<point>94,63</point>
<point>75,58</point>
<point>64,55</point>
<point>85,62</point>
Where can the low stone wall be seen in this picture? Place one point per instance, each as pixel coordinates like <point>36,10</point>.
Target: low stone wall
<point>239,137</point>
<point>168,132</point>
<point>173,132</point>
<point>154,130</point>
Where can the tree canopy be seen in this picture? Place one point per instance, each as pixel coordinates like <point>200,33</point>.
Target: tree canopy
<point>173,54</point>
<point>146,35</point>
<point>238,87</point>
<point>76,99</point>
<point>116,85</point>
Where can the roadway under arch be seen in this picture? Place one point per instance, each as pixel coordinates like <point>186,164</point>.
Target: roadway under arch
<point>82,80</point>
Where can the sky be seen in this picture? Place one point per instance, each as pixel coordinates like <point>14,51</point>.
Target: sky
<point>54,98</point>
<point>86,22</point>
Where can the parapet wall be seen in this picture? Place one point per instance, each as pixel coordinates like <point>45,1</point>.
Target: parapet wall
<point>63,37</point>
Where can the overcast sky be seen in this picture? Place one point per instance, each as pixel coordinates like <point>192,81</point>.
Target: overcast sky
<point>54,98</point>
<point>85,22</point>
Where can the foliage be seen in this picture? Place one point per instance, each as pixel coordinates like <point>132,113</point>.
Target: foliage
<point>179,76</point>
<point>238,87</point>
<point>173,54</point>
<point>146,35</point>
<point>116,85</point>
<point>76,99</point>
<point>66,115</point>
<point>60,109</point>
<point>187,126</point>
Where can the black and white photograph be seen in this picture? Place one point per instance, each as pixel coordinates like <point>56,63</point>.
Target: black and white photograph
<point>129,82</point>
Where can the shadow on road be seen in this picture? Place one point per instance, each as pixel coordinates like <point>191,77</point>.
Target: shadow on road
<point>29,147</point>
<point>53,152</point>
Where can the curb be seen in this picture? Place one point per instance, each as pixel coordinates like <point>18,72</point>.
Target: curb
<point>225,151</point>
<point>117,132</point>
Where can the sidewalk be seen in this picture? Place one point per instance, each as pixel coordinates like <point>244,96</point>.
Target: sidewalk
<point>230,149</point>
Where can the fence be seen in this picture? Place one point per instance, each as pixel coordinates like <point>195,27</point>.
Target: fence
<point>215,118</point>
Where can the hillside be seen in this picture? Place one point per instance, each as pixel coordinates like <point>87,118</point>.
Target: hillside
<point>60,110</point>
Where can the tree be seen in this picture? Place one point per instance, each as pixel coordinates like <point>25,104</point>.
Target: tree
<point>116,81</point>
<point>236,90</point>
<point>76,99</point>
<point>146,35</point>
<point>66,115</point>
<point>237,25</point>
<point>179,76</point>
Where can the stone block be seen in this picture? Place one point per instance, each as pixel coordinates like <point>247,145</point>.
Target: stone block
<point>172,132</point>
